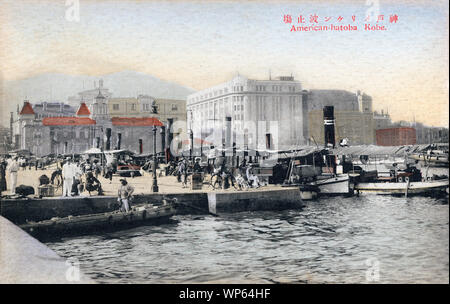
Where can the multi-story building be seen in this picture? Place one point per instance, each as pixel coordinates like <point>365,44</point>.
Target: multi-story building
<point>88,96</point>
<point>53,109</point>
<point>398,136</point>
<point>381,120</point>
<point>354,119</point>
<point>86,129</point>
<point>426,134</point>
<point>262,113</point>
<point>142,106</point>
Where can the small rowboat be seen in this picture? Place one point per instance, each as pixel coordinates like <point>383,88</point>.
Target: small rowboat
<point>145,214</point>
<point>402,188</point>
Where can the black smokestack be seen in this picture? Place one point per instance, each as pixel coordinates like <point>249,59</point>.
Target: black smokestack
<point>328,120</point>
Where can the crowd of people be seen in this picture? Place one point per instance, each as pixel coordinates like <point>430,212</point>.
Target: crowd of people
<point>77,175</point>
<point>244,173</point>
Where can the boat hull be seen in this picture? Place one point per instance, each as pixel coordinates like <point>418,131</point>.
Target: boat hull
<point>100,222</point>
<point>414,188</point>
<point>338,185</point>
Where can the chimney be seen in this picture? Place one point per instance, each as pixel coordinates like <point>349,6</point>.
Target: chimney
<point>328,120</point>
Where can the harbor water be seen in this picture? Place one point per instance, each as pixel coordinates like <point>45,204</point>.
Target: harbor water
<point>331,240</point>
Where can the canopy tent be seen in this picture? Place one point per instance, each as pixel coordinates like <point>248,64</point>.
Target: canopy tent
<point>93,151</point>
<point>372,150</point>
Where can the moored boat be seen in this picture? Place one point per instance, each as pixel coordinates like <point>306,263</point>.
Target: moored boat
<point>340,184</point>
<point>432,187</point>
<point>144,214</point>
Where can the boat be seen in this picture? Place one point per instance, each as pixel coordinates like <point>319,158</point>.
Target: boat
<point>334,184</point>
<point>435,155</point>
<point>144,214</point>
<point>429,187</point>
<point>431,159</point>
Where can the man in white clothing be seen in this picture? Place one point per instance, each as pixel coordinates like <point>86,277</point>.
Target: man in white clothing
<point>67,173</point>
<point>77,174</point>
<point>13,168</point>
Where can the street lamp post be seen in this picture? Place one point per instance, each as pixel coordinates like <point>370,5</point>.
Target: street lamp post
<point>191,148</point>
<point>155,159</point>
<point>191,137</point>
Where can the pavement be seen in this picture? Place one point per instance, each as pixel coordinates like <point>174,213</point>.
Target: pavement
<point>142,184</point>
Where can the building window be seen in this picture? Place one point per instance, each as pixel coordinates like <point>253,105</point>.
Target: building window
<point>133,107</point>
<point>115,107</point>
<point>174,107</point>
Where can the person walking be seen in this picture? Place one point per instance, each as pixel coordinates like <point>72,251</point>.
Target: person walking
<point>67,172</point>
<point>109,172</point>
<point>13,168</point>
<point>124,195</point>
<point>183,172</point>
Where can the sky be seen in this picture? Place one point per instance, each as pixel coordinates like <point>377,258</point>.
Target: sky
<point>199,44</point>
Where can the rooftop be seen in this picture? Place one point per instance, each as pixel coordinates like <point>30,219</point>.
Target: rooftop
<point>136,121</point>
<point>83,110</point>
<point>67,121</point>
<point>27,109</point>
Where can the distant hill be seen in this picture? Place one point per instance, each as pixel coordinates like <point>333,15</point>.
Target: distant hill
<point>59,87</point>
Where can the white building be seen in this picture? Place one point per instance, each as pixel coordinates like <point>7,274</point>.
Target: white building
<point>88,96</point>
<point>265,114</point>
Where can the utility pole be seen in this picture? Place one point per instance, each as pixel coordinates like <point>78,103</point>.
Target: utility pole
<point>155,159</point>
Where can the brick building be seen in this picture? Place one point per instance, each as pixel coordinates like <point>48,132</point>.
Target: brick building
<point>396,136</point>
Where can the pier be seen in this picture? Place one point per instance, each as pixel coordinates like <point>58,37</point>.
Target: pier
<point>207,200</point>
